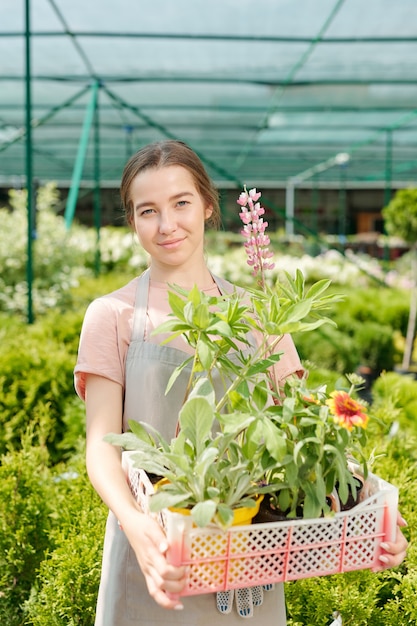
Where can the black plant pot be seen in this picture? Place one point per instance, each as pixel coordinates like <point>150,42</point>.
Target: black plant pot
<point>269,513</point>
<point>353,501</point>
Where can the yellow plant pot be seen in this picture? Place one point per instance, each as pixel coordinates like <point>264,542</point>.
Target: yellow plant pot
<point>245,514</point>
<point>241,516</point>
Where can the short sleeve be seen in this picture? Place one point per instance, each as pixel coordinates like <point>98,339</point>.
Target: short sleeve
<point>103,344</point>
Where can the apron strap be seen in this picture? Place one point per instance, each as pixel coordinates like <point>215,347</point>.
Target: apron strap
<point>224,286</point>
<point>141,306</point>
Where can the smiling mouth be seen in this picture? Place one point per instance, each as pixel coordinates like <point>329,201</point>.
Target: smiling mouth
<point>170,243</point>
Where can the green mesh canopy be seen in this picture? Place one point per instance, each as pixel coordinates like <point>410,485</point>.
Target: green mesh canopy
<point>266,91</point>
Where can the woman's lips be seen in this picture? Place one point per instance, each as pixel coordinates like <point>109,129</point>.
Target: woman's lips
<point>172,243</point>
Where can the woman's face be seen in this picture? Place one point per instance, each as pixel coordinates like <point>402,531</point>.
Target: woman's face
<point>169,216</point>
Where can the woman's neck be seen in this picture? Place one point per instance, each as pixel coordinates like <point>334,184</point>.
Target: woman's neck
<point>184,277</point>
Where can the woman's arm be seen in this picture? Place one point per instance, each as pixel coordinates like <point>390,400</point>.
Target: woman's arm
<point>104,406</point>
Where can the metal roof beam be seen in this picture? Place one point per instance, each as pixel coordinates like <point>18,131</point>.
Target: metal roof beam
<point>248,38</point>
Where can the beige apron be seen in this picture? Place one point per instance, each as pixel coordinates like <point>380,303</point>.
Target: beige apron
<point>123,597</point>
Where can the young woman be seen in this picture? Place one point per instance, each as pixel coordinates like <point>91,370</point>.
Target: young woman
<point>122,372</point>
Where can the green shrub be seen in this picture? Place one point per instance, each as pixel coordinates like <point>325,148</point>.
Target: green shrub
<point>66,588</point>
<point>351,344</point>
<point>328,348</point>
<point>401,391</point>
<point>25,522</point>
<point>376,345</point>
<point>384,305</point>
<point>36,373</point>
<point>36,377</point>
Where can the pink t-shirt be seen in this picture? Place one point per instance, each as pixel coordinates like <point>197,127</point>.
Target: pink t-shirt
<point>107,329</point>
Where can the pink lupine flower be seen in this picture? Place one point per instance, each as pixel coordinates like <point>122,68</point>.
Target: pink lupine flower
<point>254,226</point>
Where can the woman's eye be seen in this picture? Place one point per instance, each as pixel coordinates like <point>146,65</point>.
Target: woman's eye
<point>147,211</point>
<point>182,203</point>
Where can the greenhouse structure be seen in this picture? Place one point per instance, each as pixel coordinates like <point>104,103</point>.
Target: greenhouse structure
<point>308,95</point>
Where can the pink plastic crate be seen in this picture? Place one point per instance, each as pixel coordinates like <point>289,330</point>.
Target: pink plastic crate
<point>258,554</point>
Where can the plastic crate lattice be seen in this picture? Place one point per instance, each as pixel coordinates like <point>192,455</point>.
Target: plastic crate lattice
<point>275,551</point>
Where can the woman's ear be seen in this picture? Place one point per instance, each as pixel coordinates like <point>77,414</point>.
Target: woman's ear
<point>208,212</point>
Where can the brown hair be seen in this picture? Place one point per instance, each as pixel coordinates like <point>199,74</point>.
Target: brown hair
<point>162,154</point>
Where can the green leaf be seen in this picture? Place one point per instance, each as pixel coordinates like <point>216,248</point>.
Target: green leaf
<point>203,388</point>
<point>177,371</point>
<point>234,423</point>
<point>262,365</point>
<point>299,283</point>
<point>311,507</point>
<point>205,354</point>
<point>243,389</point>
<point>176,304</point>
<point>260,395</point>
<point>201,316</point>
<point>254,438</point>
<point>127,441</point>
<point>207,458</point>
<point>220,328</point>
<point>240,489</point>
<point>163,500</point>
<point>140,431</point>
<point>195,296</point>
<point>224,515</point>
<point>298,311</point>
<point>189,313</point>
<point>284,499</point>
<point>203,512</point>
<point>275,441</point>
<point>318,288</point>
<point>196,420</point>
<point>171,326</point>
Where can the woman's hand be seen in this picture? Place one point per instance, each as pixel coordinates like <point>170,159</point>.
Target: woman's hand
<point>164,581</point>
<point>395,551</point>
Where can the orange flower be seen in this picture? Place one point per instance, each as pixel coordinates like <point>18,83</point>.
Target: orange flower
<point>346,411</point>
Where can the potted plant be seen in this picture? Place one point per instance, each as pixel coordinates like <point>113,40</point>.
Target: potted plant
<point>251,438</point>
<point>204,472</point>
<point>311,437</point>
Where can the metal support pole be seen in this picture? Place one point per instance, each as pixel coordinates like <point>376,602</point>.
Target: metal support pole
<point>97,203</point>
<point>315,206</point>
<point>29,165</point>
<point>388,168</point>
<point>79,161</point>
<point>342,205</point>
<point>388,182</point>
<point>289,208</point>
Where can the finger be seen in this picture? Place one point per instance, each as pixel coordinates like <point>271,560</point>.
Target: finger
<point>153,561</point>
<point>394,552</point>
<point>166,595</point>
<point>392,561</point>
<point>167,602</point>
<point>400,520</point>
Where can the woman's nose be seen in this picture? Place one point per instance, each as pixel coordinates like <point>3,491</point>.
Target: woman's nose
<point>167,223</point>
